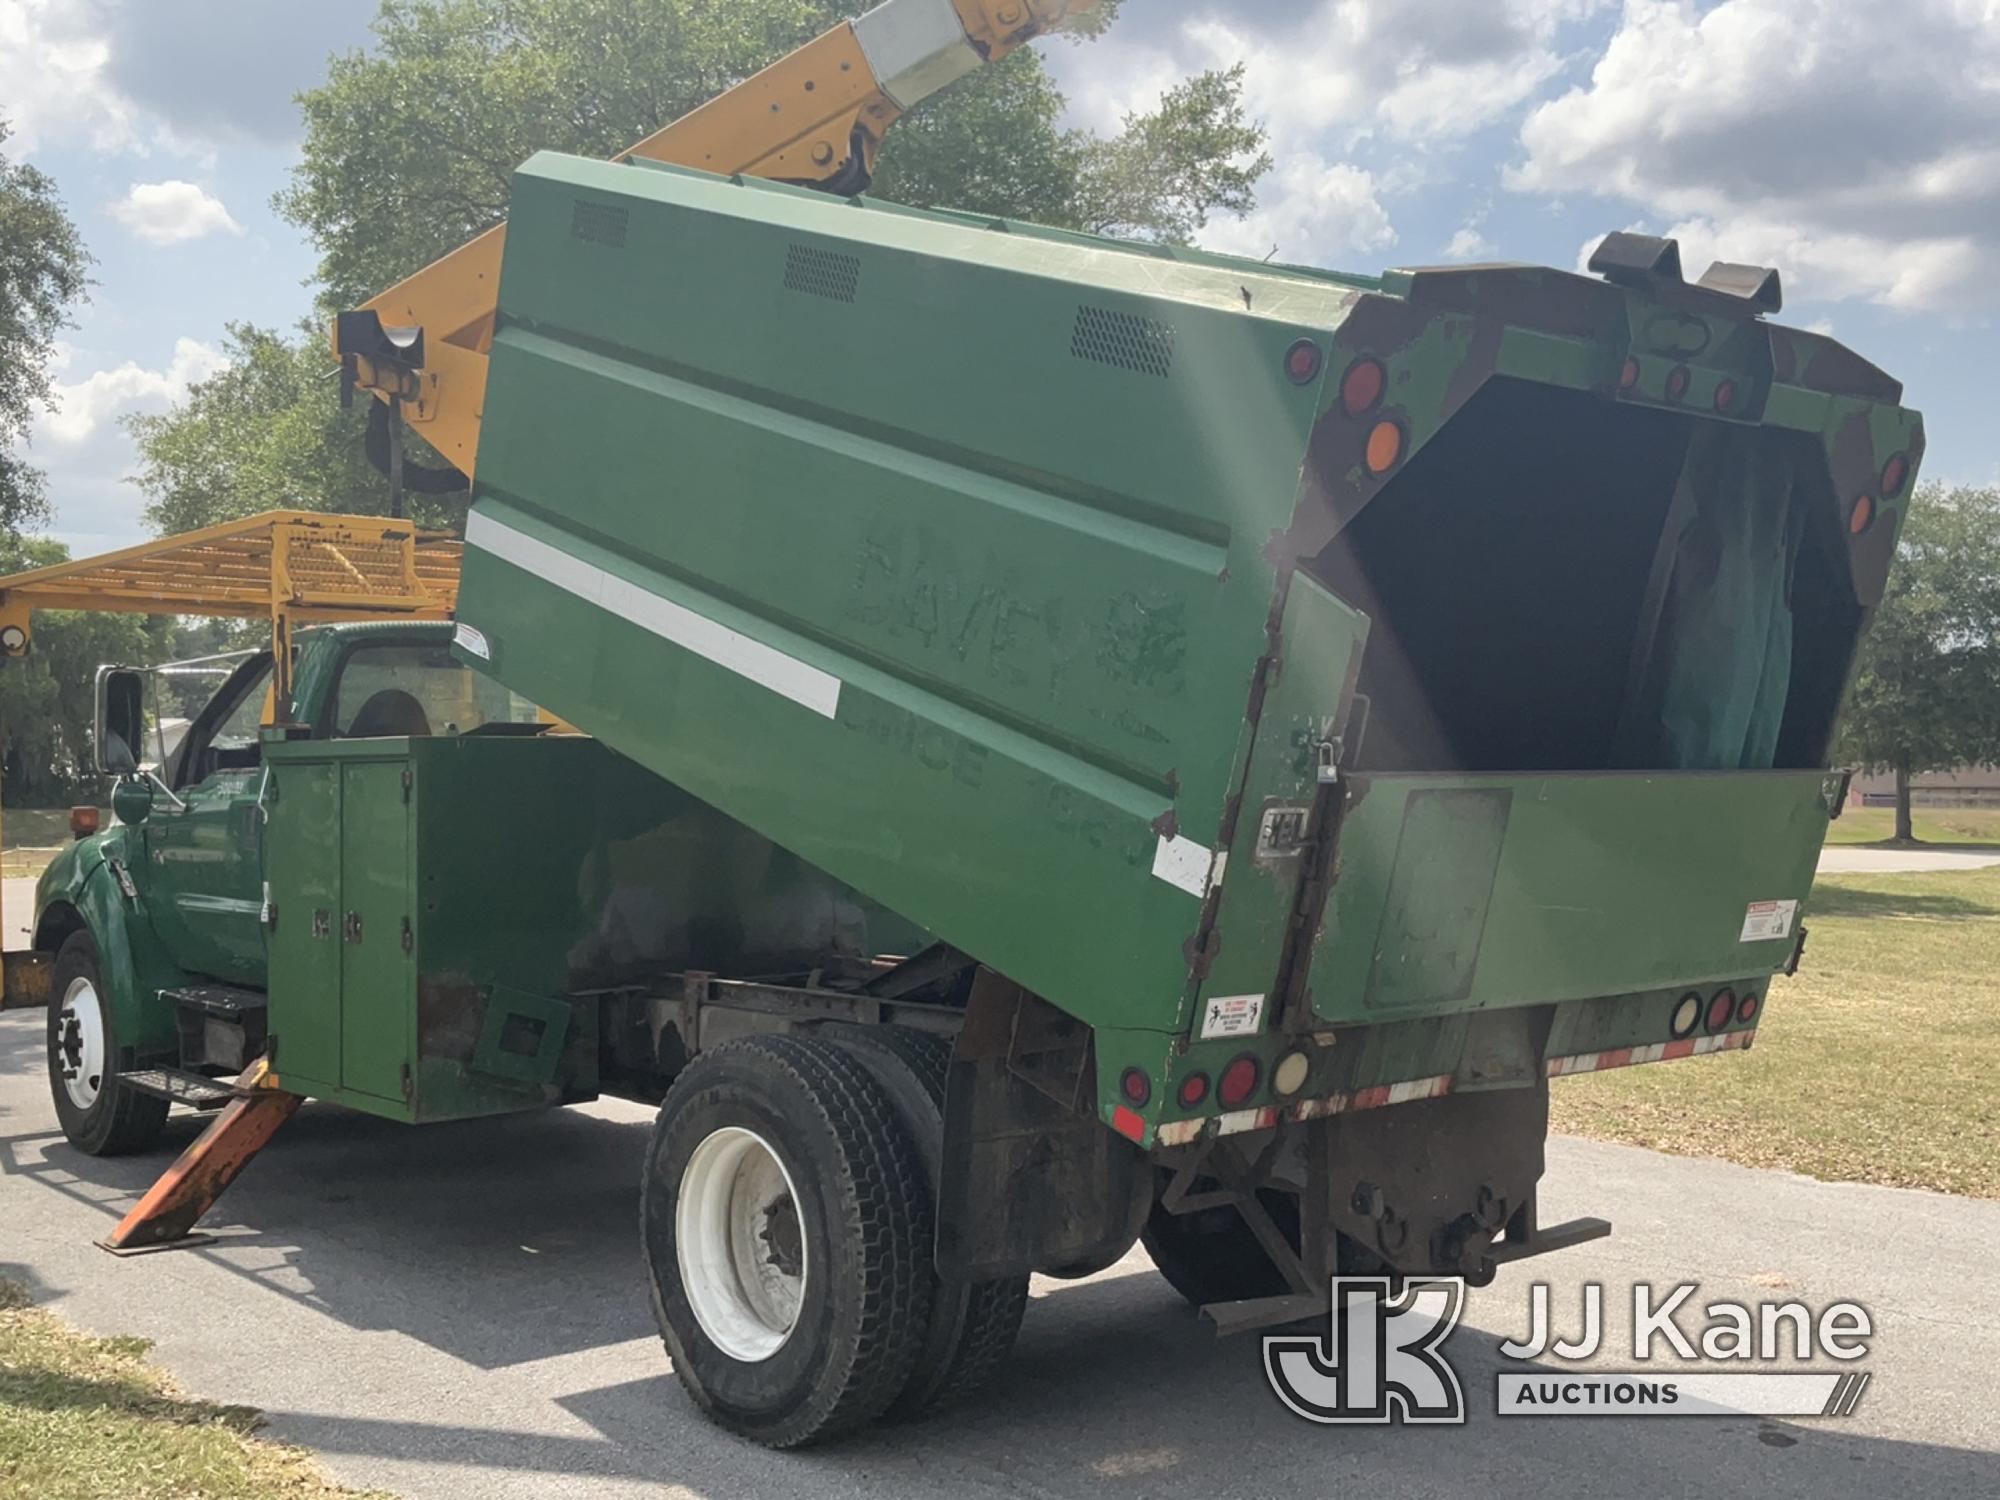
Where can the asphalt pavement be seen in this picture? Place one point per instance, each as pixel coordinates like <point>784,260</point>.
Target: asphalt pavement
<point>458,1311</point>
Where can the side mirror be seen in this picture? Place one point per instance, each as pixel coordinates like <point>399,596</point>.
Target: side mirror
<point>120,727</point>
<point>132,799</point>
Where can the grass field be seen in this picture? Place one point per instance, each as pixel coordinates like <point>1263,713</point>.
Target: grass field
<point>1932,825</point>
<point>1876,1063</point>
<point>86,1417</point>
<point>33,835</point>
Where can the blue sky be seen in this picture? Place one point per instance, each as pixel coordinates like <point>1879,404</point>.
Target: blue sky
<point>1855,147</point>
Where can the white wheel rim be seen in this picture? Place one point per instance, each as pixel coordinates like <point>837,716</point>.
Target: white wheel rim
<point>739,1239</point>
<point>80,1043</point>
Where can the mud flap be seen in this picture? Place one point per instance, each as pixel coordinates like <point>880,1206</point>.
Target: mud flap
<point>1032,1180</point>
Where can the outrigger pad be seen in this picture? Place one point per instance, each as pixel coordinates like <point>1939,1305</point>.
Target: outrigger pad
<point>164,1217</point>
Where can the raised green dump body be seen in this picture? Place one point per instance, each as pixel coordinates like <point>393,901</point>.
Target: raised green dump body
<point>1439,666</point>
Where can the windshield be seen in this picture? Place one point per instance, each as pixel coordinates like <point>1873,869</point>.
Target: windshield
<point>404,689</point>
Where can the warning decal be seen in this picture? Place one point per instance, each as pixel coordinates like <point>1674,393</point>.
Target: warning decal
<point>1764,920</point>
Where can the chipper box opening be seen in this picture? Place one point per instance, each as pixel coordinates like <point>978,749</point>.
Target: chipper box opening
<point>1018,743</point>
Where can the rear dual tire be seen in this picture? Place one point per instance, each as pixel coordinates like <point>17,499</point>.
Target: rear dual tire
<point>787,1220</point>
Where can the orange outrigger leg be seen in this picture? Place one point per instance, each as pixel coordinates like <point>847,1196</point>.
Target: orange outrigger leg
<point>163,1219</point>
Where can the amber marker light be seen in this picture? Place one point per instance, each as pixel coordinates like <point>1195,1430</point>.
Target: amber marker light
<point>1385,446</point>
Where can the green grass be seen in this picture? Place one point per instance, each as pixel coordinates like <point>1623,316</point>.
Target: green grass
<point>1876,1063</point>
<point>1932,825</point>
<point>33,836</point>
<point>88,1417</point>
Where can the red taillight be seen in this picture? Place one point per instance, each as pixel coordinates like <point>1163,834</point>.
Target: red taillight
<point>1362,386</point>
<point>1194,1090</point>
<point>1746,1009</point>
<point>1239,1082</point>
<point>1628,376</point>
<point>1677,382</point>
<point>1302,362</point>
<point>1862,516</point>
<point>1894,474</point>
<point>1721,1009</point>
<point>82,822</point>
<point>1135,1086</point>
<point>1725,395</point>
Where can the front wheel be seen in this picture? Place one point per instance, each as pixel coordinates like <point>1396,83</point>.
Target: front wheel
<point>787,1232</point>
<point>99,1113</point>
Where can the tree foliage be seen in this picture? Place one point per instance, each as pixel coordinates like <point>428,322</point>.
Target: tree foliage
<point>267,432</point>
<point>1926,696</point>
<point>410,148</point>
<point>46,703</point>
<point>44,271</point>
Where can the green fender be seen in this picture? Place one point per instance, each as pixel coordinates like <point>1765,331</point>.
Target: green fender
<point>80,888</point>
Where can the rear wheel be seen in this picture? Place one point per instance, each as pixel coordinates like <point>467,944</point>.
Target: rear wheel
<point>973,1325</point>
<point>787,1234</point>
<point>99,1113</point>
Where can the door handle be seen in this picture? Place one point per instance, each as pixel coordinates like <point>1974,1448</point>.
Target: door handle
<point>351,927</point>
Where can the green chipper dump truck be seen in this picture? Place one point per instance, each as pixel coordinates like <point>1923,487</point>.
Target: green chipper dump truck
<point>1077,742</point>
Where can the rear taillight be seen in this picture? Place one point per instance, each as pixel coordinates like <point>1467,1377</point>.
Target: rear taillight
<point>1687,1016</point>
<point>1239,1082</point>
<point>1725,395</point>
<point>1194,1090</point>
<point>1135,1086</point>
<point>1302,362</point>
<point>1895,473</point>
<point>1677,382</point>
<point>1721,1009</point>
<point>1628,376</point>
<point>1362,386</point>
<point>1746,1009</point>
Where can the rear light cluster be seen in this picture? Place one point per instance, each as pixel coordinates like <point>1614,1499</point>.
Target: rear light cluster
<point>1719,1011</point>
<point>1363,385</point>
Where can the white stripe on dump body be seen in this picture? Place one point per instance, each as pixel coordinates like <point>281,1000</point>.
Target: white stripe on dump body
<point>764,665</point>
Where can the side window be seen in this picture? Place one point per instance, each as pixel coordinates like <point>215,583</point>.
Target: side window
<point>405,689</point>
<point>223,736</point>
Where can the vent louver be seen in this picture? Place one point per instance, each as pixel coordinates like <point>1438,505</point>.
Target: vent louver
<point>822,273</point>
<point>598,223</point>
<point>1142,345</point>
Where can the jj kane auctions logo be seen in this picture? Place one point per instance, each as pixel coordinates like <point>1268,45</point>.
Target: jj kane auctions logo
<point>1382,1358</point>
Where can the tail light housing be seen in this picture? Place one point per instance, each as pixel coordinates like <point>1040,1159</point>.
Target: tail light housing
<point>1239,1081</point>
<point>1193,1091</point>
<point>1136,1086</point>
<point>1721,1009</point>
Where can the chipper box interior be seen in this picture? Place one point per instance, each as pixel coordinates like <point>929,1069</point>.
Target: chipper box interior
<point>1085,740</point>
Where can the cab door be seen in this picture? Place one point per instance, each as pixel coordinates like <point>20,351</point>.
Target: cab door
<point>204,866</point>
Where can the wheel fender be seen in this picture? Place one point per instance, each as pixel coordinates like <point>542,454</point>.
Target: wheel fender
<point>130,960</point>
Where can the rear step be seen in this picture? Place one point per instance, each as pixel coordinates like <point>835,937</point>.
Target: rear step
<point>221,1025</point>
<point>178,1086</point>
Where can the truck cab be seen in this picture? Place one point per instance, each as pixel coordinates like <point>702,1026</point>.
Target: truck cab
<point>158,923</point>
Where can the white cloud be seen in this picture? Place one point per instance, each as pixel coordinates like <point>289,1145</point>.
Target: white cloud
<point>1855,147</point>
<point>54,83</point>
<point>80,409</point>
<point>1309,210</point>
<point>1469,244</point>
<point>173,212</point>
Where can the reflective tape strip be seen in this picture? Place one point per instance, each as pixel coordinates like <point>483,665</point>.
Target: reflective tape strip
<point>1625,1057</point>
<point>747,657</point>
<point>915,47</point>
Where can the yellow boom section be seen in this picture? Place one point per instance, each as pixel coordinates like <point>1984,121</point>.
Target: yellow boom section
<point>816,116</point>
<point>288,566</point>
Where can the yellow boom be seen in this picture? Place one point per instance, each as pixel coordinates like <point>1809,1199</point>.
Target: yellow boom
<point>816,116</point>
